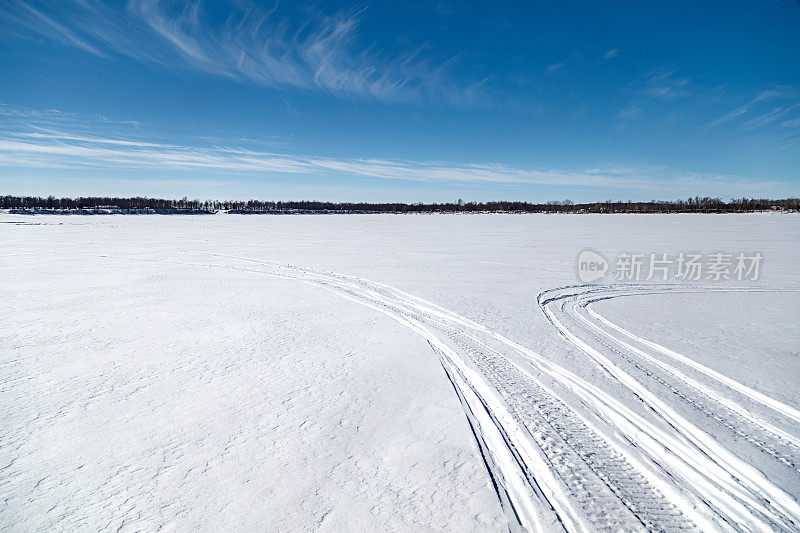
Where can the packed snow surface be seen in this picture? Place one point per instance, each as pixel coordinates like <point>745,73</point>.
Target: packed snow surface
<point>381,372</point>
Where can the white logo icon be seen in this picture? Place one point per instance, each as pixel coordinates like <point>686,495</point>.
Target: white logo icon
<point>591,266</point>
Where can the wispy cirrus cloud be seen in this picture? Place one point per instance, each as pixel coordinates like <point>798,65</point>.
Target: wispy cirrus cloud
<point>664,83</point>
<point>654,91</point>
<point>56,116</point>
<point>727,117</point>
<point>37,147</point>
<point>773,115</point>
<point>251,44</point>
<point>555,67</point>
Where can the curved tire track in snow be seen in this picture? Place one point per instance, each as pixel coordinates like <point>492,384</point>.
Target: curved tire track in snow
<point>556,470</point>
<point>780,407</point>
<point>727,412</point>
<point>725,475</point>
<point>555,467</point>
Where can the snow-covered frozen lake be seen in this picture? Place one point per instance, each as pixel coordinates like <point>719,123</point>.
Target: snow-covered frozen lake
<point>394,372</point>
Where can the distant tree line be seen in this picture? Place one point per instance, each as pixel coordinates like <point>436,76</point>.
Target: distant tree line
<point>690,205</point>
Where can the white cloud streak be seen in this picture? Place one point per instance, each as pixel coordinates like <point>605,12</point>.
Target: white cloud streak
<point>772,117</point>
<point>662,83</point>
<point>64,150</point>
<point>252,45</point>
<point>727,117</point>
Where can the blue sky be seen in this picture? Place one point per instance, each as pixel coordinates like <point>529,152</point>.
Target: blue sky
<point>400,101</point>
